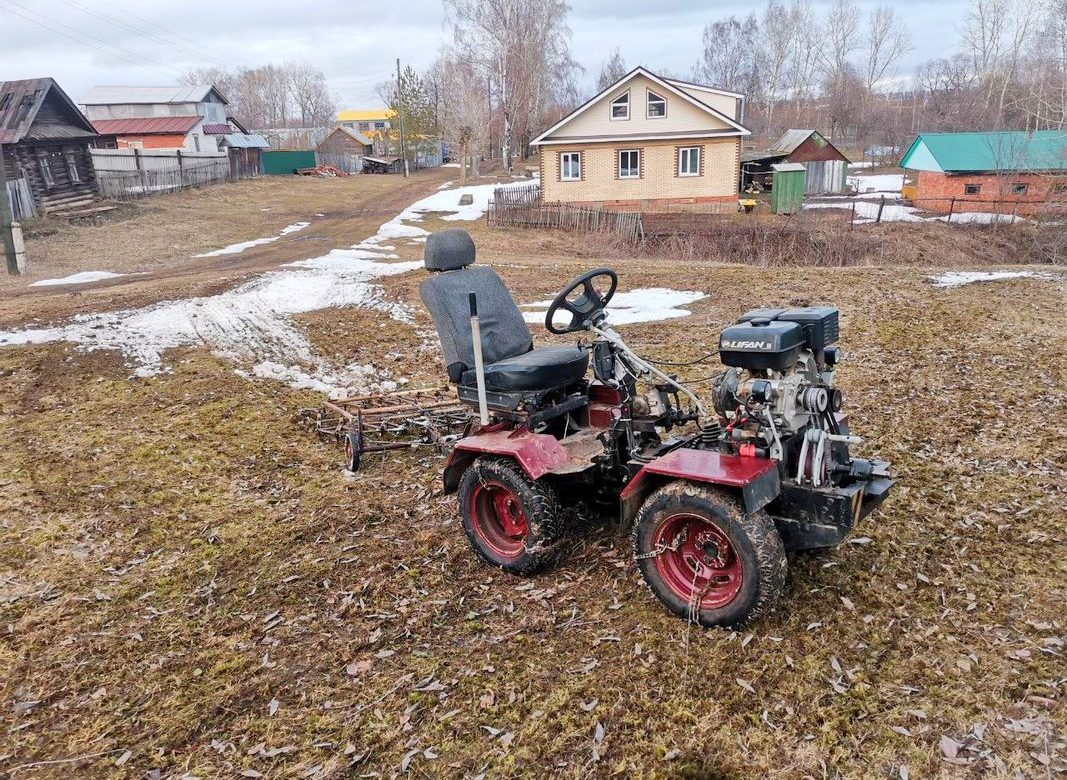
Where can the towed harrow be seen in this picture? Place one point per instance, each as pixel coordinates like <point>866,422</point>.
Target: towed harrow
<point>399,420</point>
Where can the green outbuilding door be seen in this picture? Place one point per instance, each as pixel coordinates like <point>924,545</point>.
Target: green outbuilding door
<point>787,188</point>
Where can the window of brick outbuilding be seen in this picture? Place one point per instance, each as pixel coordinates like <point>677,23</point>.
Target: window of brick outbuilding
<point>1019,189</point>
<point>972,189</point>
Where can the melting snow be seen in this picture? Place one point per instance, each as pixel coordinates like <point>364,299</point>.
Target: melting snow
<point>81,277</point>
<point>878,182</point>
<point>867,211</point>
<point>234,249</point>
<point>251,324</point>
<point>647,304</point>
<point>960,278</point>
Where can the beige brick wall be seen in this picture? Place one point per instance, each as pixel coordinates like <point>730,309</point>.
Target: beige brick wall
<point>659,167</point>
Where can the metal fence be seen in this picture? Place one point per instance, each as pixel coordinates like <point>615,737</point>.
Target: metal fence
<point>21,198</point>
<point>952,210</point>
<point>521,207</point>
<point>125,174</point>
<point>347,162</point>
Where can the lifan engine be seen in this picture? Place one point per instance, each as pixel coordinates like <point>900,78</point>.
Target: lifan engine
<point>778,397</point>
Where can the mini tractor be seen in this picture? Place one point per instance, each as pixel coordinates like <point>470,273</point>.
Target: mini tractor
<point>716,491</point>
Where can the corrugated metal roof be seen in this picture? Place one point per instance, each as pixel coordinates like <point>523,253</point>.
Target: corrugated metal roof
<point>242,141</point>
<point>366,115</point>
<point>1044,150</point>
<point>354,134</point>
<point>107,96</point>
<point>20,102</point>
<point>150,126</point>
<point>217,129</point>
<point>790,141</point>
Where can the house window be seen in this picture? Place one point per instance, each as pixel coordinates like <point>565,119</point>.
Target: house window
<point>689,161</point>
<point>5,100</point>
<point>1019,189</point>
<point>196,142</point>
<point>72,168</point>
<point>379,125</point>
<point>972,189</point>
<point>45,164</point>
<point>620,107</point>
<point>630,164</point>
<point>657,106</point>
<point>135,144</point>
<point>570,166</point>
<point>1060,189</point>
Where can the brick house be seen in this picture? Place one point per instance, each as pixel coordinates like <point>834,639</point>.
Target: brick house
<point>1006,172</point>
<point>645,141</point>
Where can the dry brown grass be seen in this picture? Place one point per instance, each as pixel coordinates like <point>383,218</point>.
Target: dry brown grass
<point>186,575</point>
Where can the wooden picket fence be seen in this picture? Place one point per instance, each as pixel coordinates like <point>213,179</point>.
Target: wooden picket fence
<point>522,207</point>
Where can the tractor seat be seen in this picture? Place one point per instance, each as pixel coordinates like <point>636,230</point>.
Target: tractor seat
<point>511,362</point>
<point>538,369</point>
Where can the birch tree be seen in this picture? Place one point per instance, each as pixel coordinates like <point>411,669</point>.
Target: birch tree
<point>729,55</point>
<point>611,70</point>
<point>888,40</point>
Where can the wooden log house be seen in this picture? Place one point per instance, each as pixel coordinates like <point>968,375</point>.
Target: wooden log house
<point>46,140</point>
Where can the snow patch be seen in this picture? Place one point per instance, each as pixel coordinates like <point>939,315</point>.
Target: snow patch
<point>647,304</point>
<point>960,278</point>
<point>82,277</point>
<point>251,324</point>
<point>878,182</point>
<point>234,249</point>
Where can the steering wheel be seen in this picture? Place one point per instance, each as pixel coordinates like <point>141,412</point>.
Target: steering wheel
<point>584,307</point>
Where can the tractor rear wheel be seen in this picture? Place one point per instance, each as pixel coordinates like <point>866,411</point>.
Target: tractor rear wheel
<point>511,520</point>
<point>707,560</point>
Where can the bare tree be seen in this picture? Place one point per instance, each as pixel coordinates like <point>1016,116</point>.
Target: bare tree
<point>611,70</point>
<point>523,46</point>
<point>307,85</point>
<point>464,115</point>
<point>803,58</point>
<point>888,40</point>
<point>777,33</point>
<point>729,56</point>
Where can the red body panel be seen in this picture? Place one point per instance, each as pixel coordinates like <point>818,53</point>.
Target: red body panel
<point>537,453</point>
<point>755,478</point>
<point>704,466</point>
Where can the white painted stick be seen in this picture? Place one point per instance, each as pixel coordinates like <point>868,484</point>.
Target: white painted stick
<point>479,367</point>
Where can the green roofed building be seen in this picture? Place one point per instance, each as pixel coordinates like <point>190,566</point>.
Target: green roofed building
<point>1009,172</point>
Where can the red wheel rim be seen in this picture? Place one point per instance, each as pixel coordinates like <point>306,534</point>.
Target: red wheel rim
<point>498,519</point>
<point>698,563</point>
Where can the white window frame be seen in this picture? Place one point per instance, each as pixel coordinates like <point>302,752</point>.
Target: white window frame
<point>636,175</point>
<point>654,97</point>
<point>562,167</point>
<point>611,107</point>
<point>682,156</point>
<point>72,167</point>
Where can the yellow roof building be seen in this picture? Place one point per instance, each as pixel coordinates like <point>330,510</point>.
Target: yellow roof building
<point>366,115</point>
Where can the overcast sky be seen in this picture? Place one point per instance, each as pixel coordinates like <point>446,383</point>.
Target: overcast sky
<point>354,42</point>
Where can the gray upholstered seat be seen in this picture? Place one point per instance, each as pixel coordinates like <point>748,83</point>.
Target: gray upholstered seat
<point>511,363</point>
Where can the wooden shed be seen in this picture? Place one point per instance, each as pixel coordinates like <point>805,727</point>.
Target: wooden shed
<point>826,168</point>
<point>45,141</point>
<point>345,148</point>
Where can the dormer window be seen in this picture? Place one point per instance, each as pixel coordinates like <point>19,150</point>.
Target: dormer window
<point>620,107</point>
<point>657,105</point>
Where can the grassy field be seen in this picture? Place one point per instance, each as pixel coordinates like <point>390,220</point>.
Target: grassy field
<point>190,585</point>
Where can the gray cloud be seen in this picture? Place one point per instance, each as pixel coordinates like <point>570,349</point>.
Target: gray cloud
<point>354,43</point>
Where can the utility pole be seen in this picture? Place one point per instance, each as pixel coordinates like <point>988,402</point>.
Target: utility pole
<point>7,235</point>
<point>400,117</point>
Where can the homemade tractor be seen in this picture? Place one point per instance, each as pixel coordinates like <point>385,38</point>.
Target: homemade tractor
<point>715,497</point>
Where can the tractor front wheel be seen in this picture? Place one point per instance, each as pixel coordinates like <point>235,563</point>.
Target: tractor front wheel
<point>511,520</point>
<point>705,559</point>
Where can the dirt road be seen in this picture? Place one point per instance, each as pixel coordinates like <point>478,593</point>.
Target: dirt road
<point>159,238</point>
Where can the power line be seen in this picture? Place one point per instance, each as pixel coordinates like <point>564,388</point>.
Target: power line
<point>139,62</point>
<point>203,46</point>
<point>200,55</point>
<point>137,58</point>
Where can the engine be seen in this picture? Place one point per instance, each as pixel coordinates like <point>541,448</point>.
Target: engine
<point>777,397</point>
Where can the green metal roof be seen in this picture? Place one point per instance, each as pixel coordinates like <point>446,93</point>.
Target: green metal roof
<point>1044,150</point>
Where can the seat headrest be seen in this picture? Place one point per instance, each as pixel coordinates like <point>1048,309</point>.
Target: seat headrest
<point>447,250</point>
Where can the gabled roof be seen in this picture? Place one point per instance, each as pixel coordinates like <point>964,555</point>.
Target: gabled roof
<point>245,141</point>
<point>217,129</point>
<point>111,96</point>
<point>672,86</point>
<point>161,125</point>
<point>21,101</point>
<point>1044,150</point>
<point>355,135</point>
<point>790,140</point>
<point>366,115</point>
<point>703,87</point>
